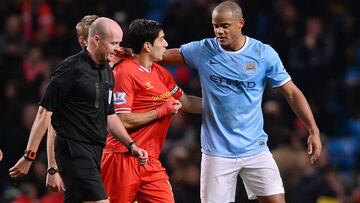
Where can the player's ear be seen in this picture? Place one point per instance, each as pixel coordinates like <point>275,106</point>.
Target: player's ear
<point>241,22</point>
<point>147,46</point>
<point>82,41</point>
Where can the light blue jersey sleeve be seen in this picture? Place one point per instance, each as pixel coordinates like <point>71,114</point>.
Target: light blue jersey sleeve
<point>191,53</point>
<point>275,72</point>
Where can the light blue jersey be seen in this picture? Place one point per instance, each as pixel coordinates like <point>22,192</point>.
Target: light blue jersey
<point>232,88</point>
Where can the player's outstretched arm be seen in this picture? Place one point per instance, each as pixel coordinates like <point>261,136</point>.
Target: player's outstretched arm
<point>135,120</point>
<point>117,129</point>
<point>173,57</point>
<point>191,104</point>
<point>37,132</point>
<point>300,106</point>
<point>54,181</point>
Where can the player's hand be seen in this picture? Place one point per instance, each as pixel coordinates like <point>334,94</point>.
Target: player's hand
<point>54,182</point>
<point>20,169</point>
<point>170,107</point>
<point>1,155</point>
<point>123,53</point>
<point>119,55</point>
<point>140,153</point>
<point>314,146</point>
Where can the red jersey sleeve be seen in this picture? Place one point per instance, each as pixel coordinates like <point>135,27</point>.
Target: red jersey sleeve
<point>169,81</point>
<point>124,89</point>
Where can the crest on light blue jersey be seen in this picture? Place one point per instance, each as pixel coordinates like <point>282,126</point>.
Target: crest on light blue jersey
<point>250,68</point>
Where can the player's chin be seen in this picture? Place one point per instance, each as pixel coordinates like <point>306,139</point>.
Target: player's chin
<point>159,58</point>
<point>223,42</point>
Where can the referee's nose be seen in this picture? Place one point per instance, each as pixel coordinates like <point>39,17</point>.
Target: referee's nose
<point>117,47</point>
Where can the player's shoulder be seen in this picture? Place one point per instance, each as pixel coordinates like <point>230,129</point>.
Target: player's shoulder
<point>256,43</point>
<point>260,47</point>
<point>159,67</point>
<point>209,43</point>
<point>127,66</point>
<point>206,42</point>
<point>161,70</point>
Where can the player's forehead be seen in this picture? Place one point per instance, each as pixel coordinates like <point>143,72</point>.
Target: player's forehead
<point>161,34</point>
<point>222,16</point>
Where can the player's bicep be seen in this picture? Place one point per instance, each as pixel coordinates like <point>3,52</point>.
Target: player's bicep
<point>123,93</point>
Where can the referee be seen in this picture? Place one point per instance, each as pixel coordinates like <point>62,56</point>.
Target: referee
<point>78,101</point>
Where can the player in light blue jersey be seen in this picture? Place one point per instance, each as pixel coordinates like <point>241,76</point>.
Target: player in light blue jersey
<point>234,70</point>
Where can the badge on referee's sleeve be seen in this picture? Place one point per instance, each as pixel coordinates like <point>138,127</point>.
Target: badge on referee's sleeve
<point>119,98</point>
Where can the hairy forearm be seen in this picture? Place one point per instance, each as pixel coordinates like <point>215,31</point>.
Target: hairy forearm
<point>50,147</point>
<point>38,129</point>
<point>191,104</point>
<point>135,120</point>
<point>117,129</point>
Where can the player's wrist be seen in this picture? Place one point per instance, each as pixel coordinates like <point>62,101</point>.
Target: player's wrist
<point>165,109</point>
<point>29,155</point>
<point>131,146</point>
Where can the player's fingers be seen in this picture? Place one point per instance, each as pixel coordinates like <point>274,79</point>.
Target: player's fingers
<point>12,169</point>
<point>146,155</point>
<point>143,162</point>
<point>310,148</point>
<point>62,186</point>
<point>51,188</point>
<point>15,174</point>
<point>313,159</point>
<point>144,158</point>
<point>316,154</point>
<point>58,188</point>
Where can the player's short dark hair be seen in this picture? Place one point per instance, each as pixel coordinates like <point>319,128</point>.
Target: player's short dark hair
<point>141,31</point>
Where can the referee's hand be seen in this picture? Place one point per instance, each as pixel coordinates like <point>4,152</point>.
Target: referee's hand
<point>54,182</point>
<point>140,153</point>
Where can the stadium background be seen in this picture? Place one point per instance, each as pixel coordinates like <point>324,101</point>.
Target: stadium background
<point>318,41</point>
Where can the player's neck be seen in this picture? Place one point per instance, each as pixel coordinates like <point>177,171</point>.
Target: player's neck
<point>143,60</point>
<point>239,43</point>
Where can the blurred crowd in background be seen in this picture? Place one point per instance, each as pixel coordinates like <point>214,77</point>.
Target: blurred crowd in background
<point>318,42</point>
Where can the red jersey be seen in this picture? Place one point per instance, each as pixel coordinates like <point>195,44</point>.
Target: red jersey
<point>140,90</point>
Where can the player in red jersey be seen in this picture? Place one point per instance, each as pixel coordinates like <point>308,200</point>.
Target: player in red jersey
<point>145,97</point>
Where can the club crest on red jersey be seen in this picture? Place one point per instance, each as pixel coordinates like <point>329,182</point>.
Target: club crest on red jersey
<point>148,85</point>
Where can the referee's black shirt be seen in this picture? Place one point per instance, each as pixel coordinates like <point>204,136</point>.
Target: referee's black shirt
<point>80,96</point>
